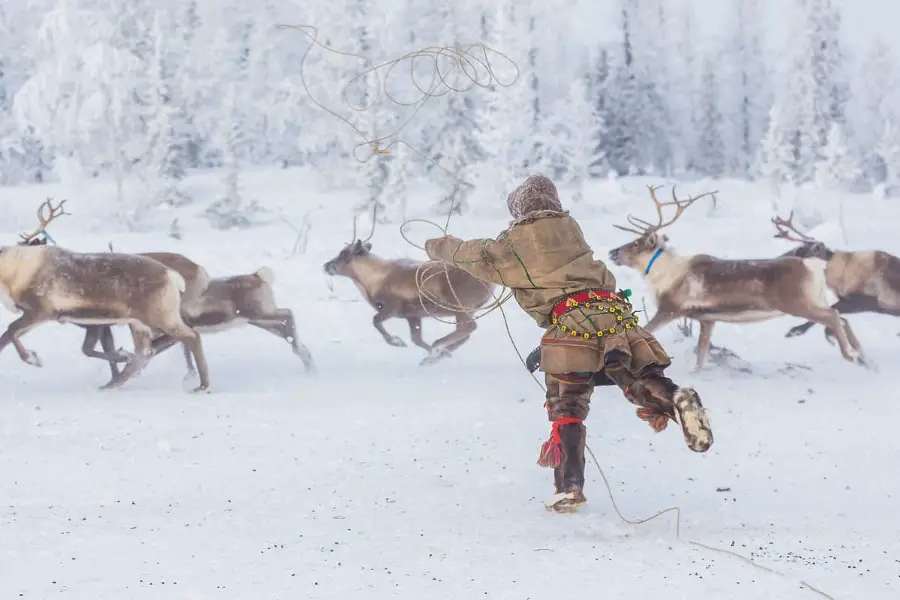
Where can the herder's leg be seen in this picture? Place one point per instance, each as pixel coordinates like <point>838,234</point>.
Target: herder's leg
<point>568,404</point>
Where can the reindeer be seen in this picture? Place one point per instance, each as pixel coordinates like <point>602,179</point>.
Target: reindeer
<point>392,288</point>
<point>229,302</point>
<point>863,281</point>
<point>710,289</point>
<point>49,283</point>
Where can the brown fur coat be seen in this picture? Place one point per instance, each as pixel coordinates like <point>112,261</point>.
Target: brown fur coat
<point>543,257</point>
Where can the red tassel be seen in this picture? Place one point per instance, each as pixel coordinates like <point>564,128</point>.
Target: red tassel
<point>551,450</point>
<point>551,454</point>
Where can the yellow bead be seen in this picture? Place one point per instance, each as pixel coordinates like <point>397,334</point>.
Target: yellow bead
<point>619,318</point>
<point>554,320</point>
<point>574,333</point>
<point>564,328</point>
<point>588,305</point>
<point>587,336</point>
<point>612,329</point>
<point>599,334</point>
<point>627,325</point>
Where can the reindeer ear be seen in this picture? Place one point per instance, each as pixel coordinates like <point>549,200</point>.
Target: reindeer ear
<point>665,238</point>
<point>368,246</point>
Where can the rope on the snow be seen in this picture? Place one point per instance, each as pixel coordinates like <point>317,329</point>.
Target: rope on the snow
<point>457,69</point>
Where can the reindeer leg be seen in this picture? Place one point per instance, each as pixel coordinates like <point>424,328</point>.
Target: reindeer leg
<point>161,343</point>
<point>377,321</point>
<point>142,336</point>
<point>108,343</point>
<point>854,343</point>
<point>848,305</point>
<point>181,332</point>
<point>283,325</point>
<point>415,333</point>
<point>801,329</point>
<point>18,328</point>
<point>188,361</point>
<point>103,335</point>
<point>663,316</point>
<point>705,338</point>
<point>829,317</point>
<point>442,347</point>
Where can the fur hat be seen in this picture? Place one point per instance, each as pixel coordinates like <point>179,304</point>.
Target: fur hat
<point>537,194</point>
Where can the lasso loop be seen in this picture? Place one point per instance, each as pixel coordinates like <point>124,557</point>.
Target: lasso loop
<point>449,65</point>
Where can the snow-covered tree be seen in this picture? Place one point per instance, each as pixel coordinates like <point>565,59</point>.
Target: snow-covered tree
<point>744,85</point>
<point>566,137</point>
<point>710,151</point>
<point>777,152</point>
<point>875,102</point>
<point>814,84</point>
<point>838,169</point>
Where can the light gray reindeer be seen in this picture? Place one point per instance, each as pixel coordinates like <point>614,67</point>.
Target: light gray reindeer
<point>391,287</point>
<point>49,283</point>
<point>710,289</point>
<point>863,281</point>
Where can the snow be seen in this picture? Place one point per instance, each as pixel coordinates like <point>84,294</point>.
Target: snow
<point>377,478</point>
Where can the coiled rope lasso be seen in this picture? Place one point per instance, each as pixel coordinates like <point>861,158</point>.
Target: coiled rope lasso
<point>457,69</point>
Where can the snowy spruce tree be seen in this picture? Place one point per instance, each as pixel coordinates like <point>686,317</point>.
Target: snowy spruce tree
<point>709,156</point>
<point>838,169</point>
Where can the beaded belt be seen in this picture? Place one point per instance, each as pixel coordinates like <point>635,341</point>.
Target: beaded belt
<point>594,300</point>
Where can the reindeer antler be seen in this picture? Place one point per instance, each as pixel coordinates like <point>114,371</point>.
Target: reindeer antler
<point>44,218</point>
<point>371,233</point>
<point>642,227</point>
<point>785,227</point>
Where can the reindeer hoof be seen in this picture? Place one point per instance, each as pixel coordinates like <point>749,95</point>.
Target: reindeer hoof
<point>434,356</point>
<point>33,359</point>
<point>395,341</point>
<point>203,387</point>
<point>112,384</point>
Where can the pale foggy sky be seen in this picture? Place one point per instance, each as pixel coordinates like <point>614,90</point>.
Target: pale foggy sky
<point>862,19</point>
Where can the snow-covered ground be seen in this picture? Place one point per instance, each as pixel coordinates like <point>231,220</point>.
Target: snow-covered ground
<point>378,478</point>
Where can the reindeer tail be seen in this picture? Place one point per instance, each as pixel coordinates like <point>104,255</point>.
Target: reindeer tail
<point>176,278</point>
<point>266,274</point>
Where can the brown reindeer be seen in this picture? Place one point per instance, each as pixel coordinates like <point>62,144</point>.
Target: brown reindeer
<point>196,280</point>
<point>710,289</point>
<point>48,283</point>
<point>863,281</point>
<point>392,288</point>
<point>229,302</point>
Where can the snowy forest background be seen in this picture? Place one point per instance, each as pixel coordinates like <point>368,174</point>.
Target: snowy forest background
<point>153,89</point>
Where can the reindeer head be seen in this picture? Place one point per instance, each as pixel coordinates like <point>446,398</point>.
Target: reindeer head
<point>46,212</point>
<point>809,247</point>
<point>356,249</point>
<point>638,253</point>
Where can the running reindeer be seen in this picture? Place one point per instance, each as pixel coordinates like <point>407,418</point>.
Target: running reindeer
<point>48,283</point>
<point>229,302</point>
<point>398,288</point>
<point>863,281</point>
<point>207,304</point>
<point>710,289</point>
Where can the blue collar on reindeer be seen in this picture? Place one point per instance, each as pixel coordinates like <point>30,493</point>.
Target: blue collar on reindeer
<point>652,260</point>
<point>49,238</point>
